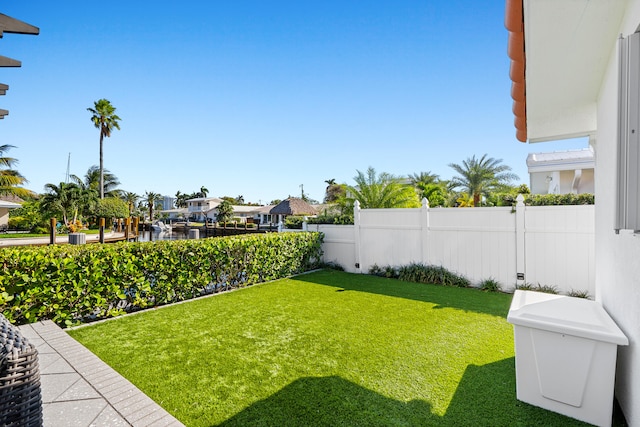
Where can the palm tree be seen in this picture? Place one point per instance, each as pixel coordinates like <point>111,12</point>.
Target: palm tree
<point>110,181</point>
<point>181,199</point>
<point>131,199</point>
<point>151,199</point>
<point>64,199</point>
<point>203,192</point>
<point>104,118</point>
<point>10,179</point>
<point>479,177</point>
<point>91,181</point>
<point>381,191</point>
<point>225,211</point>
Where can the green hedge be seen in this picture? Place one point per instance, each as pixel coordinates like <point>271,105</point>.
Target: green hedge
<point>70,284</point>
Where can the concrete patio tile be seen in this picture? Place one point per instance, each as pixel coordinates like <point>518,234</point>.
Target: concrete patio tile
<point>52,386</point>
<point>52,363</point>
<point>109,418</point>
<point>80,390</point>
<point>79,413</point>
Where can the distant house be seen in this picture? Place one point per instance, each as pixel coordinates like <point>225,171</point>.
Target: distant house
<point>6,204</point>
<point>562,172</point>
<point>292,206</point>
<point>199,209</point>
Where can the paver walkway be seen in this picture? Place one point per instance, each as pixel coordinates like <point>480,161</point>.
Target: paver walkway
<point>79,389</point>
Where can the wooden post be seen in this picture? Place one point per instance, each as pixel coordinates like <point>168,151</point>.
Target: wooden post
<point>52,233</point>
<point>101,230</point>
<point>127,228</point>
<point>136,225</point>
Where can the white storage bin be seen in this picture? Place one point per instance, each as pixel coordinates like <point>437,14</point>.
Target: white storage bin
<point>565,354</point>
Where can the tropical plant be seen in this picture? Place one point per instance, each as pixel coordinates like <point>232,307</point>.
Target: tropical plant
<point>202,193</point>
<point>490,285</point>
<point>382,190</point>
<point>181,199</point>
<point>104,118</point>
<point>478,177</point>
<point>131,199</point>
<point>28,216</point>
<point>92,181</point>
<point>151,201</point>
<point>65,200</point>
<point>225,211</point>
<point>10,179</point>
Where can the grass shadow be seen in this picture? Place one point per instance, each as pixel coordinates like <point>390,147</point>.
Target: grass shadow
<point>493,303</point>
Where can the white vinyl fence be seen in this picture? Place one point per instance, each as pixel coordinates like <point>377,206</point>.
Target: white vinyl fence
<point>540,245</point>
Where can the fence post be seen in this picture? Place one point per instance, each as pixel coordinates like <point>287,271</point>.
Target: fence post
<point>424,227</point>
<point>356,234</point>
<point>52,234</point>
<point>520,241</point>
<point>101,222</point>
<point>127,228</point>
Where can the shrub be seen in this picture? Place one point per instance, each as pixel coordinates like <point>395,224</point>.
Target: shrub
<point>438,275</point>
<point>332,265</point>
<point>548,289</point>
<point>559,199</point>
<point>579,294</point>
<point>294,222</point>
<point>69,284</point>
<point>337,219</point>
<point>490,285</point>
<point>387,271</point>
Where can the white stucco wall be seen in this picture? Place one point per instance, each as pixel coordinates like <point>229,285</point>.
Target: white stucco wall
<point>617,256</point>
<point>4,216</point>
<point>539,184</point>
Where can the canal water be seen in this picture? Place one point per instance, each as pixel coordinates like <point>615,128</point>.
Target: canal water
<point>146,236</point>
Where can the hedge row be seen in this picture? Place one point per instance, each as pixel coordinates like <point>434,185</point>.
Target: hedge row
<point>70,284</point>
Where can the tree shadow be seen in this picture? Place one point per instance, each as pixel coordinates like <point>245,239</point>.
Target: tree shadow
<point>492,303</point>
<point>331,401</point>
<point>485,396</point>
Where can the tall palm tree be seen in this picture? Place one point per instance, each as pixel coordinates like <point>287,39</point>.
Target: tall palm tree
<point>104,118</point>
<point>479,177</point>
<point>381,191</point>
<point>10,179</point>
<point>151,199</point>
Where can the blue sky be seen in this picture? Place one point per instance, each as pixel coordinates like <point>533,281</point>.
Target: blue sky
<point>256,98</point>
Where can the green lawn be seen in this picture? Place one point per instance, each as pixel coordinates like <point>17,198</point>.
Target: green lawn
<point>326,349</point>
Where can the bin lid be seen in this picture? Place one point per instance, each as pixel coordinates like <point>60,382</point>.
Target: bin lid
<point>579,317</point>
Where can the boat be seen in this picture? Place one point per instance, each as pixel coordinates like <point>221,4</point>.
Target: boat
<point>161,227</point>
